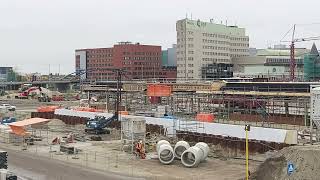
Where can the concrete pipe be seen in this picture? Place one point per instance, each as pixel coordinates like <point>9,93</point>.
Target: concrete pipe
<point>165,154</point>
<point>179,148</point>
<point>160,143</point>
<point>191,157</point>
<point>204,148</point>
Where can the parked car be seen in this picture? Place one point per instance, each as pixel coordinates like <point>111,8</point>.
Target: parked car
<point>8,107</point>
<point>8,120</point>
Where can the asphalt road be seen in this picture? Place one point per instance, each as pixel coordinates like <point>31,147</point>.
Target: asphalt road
<point>31,167</point>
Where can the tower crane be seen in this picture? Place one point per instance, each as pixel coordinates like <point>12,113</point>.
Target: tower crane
<point>292,50</point>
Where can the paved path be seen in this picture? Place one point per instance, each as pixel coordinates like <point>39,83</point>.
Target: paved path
<point>32,167</point>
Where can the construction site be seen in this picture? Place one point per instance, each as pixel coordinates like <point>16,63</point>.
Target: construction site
<point>164,130</point>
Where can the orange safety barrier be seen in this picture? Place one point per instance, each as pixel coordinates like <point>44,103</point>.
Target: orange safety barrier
<point>158,90</point>
<point>47,108</point>
<point>86,109</point>
<point>205,117</point>
<point>124,112</point>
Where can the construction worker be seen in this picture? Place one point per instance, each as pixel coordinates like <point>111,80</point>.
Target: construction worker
<point>140,151</point>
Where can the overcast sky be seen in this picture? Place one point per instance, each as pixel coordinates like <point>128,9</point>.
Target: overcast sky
<point>36,33</point>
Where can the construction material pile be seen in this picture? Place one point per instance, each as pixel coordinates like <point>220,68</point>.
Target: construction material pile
<point>189,156</point>
<point>305,160</point>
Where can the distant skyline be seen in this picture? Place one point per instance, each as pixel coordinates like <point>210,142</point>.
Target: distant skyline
<point>34,33</point>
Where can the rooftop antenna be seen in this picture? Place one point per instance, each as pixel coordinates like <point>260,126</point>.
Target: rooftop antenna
<point>226,22</point>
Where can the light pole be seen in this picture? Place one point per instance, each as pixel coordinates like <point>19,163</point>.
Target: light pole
<point>247,129</point>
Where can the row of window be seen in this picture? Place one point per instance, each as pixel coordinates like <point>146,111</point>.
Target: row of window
<point>146,68</point>
<point>99,56</point>
<point>239,39</point>
<point>183,65</point>
<point>180,59</point>
<point>99,74</point>
<point>180,39</point>
<point>141,58</point>
<point>100,65</point>
<point>180,52</point>
<point>149,73</point>
<point>239,44</point>
<point>215,47</point>
<point>189,59</point>
<point>142,53</point>
<point>215,54</point>
<point>225,37</point>
<point>215,41</point>
<point>239,50</point>
<point>141,63</point>
<point>99,60</point>
<point>238,55</point>
<point>96,74</point>
<point>101,51</point>
<point>215,60</point>
<point>275,60</point>
<point>215,35</point>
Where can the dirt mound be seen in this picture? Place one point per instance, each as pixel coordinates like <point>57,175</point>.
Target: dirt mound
<point>306,160</point>
<point>55,123</point>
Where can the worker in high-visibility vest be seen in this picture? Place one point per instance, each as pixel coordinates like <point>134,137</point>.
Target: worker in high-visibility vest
<point>140,151</point>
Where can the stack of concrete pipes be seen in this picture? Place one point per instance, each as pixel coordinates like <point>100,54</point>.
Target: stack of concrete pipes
<point>189,156</point>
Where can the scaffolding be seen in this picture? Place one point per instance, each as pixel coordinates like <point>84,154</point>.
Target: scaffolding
<point>133,130</point>
<point>311,67</point>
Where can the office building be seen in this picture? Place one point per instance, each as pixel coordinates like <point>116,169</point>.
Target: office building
<point>139,62</point>
<point>206,48</point>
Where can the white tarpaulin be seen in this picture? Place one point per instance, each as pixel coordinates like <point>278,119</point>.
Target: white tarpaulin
<point>256,133</point>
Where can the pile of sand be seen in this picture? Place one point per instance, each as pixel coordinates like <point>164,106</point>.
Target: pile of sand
<point>306,160</point>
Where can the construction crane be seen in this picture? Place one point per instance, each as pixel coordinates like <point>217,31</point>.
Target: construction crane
<point>292,50</point>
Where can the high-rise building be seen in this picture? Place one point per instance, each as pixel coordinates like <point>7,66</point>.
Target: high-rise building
<point>204,46</point>
<point>169,56</point>
<point>139,62</point>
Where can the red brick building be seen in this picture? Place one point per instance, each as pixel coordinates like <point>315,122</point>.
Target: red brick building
<point>138,61</point>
